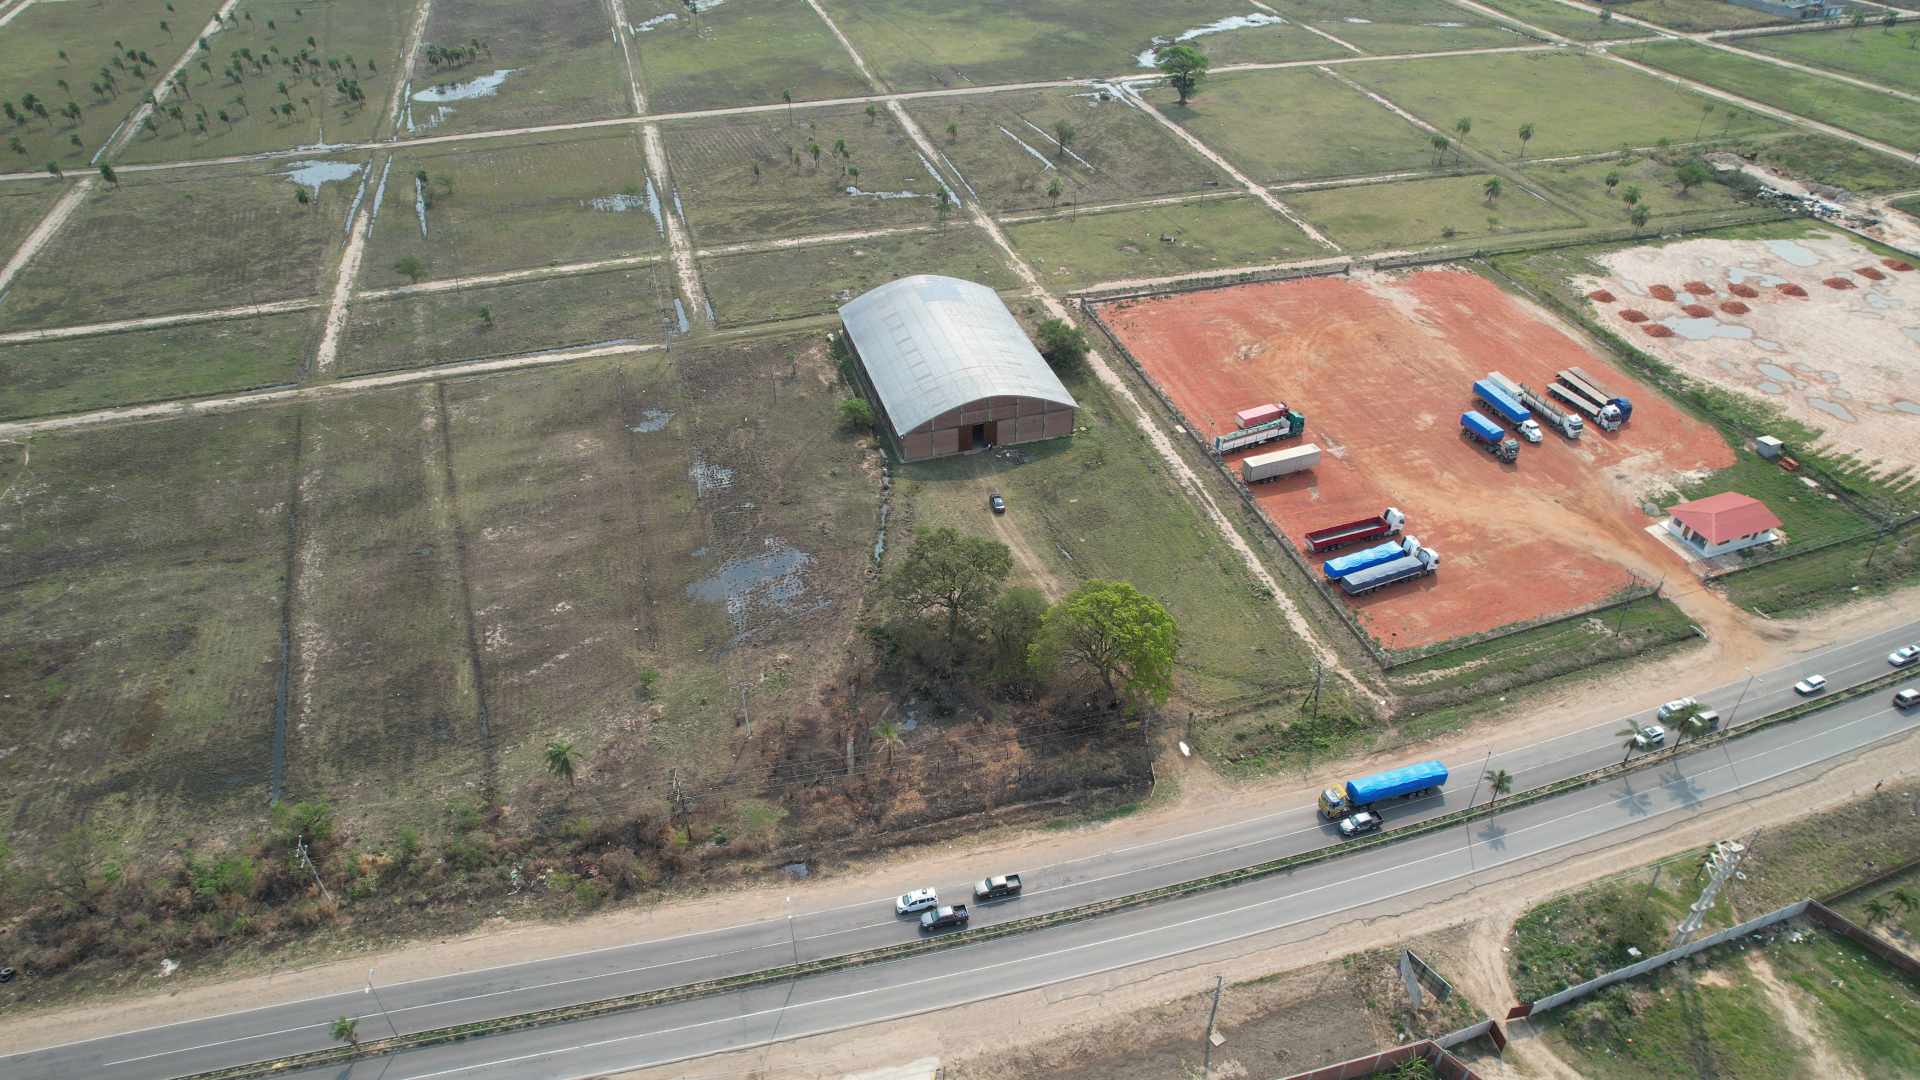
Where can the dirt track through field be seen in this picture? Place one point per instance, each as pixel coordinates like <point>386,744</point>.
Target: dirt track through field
<point>57,333</point>
<point>637,98</point>
<point>344,277</point>
<point>13,13</point>
<point>411,46</point>
<point>161,89</point>
<point>686,267</point>
<point>44,232</point>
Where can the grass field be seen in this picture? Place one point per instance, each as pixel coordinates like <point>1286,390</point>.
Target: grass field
<point>1584,185</point>
<point>22,206</point>
<point>561,59</point>
<point>1829,160</point>
<point>1695,15</point>
<point>923,44</point>
<point>1413,212</point>
<point>1005,146</point>
<point>1874,53</point>
<point>1576,103</point>
<point>1567,22</point>
<point>1235,115</point>
<point>1807,518</point>
<point>363,36</point>
<point>31,62</point>
<point>789,283</point>
<point>441,327</point>
<point>1269,44</point>
<point>1865,112</point>
<point>73,374</point>
<point>1386,27</point>
<point>753,178</point>
<point>140,592</point>
<point>186,240</point>
<point>514,204</point>
<point>1082,249</point>
<point>735,54</point>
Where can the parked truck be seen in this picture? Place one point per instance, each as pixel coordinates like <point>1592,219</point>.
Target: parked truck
<point>1405,782</point>
<point>1416,563</point>
<point>1478,429</point>
<point>1560,420</point>
<point>1604,416</point>
<point>1278,463</point>
<point>1288,425</point>
<point>1508,408</point>
<point>1335,569</point>
<point>1625,406</point>
<point>1334,537</point>
<point>1259,414</point>
<point>1607,410</point>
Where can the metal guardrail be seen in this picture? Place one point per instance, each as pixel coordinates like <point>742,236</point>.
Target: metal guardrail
<point>1242,875</point>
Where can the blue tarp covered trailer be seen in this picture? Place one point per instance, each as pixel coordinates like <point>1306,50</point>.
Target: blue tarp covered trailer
<point>1393,783</point>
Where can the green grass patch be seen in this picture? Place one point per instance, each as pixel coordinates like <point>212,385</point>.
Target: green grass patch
<point>369,33</point>
<point>1840,574</point>
<point>1866,1010</point>
<point>1576,103</point>
<point>1560,19</point>
<point>1677,1025</point>
<point>31,63</point>
<point>1910,205</point>
<point>422,329</point>
<point>1828,160</point>
<point>1874,53</point>
<point>1530,655</point>
<point>1695,15</point>
<point>1408,213</point>
<point>1383,27</point>
<point>1273,44</point>
<point>1212,234</point>
<point>73,374</point>
<point>565,65</point>
<point>753,177</point>
<point>1808,517</point>
<point>1321,129</point>
<point>788,283</point>
<point>1006,148</point>
<point>511,205</point>
<point>1875,115</point>
<point>735,54</point>
<point>1584,184</point>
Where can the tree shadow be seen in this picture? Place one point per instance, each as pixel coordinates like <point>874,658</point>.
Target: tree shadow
<point>1684,790</point>
<point>1637,803</point>
<point>1495,836</point>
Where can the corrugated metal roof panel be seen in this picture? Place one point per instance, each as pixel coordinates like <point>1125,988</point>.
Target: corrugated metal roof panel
<point>932,343</point>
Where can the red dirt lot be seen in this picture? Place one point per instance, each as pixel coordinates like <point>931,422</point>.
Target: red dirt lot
<point>1382,368</point>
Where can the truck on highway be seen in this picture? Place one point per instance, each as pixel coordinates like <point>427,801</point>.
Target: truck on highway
<point>1418,563</point>
<point>1560,420</point>
<point>1405,782</point>
<point>1287,425</point>
<point>1278,463</point>
<point>1508,408</point>
<point>1354,562</point>
<point>1477,429</point>
<point>944,916</point>
<point>1334,537</point>
<point>997,888</point>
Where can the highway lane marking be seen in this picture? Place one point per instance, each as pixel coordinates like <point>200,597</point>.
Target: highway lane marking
<point>1904,632</point>
<point>896,987</point>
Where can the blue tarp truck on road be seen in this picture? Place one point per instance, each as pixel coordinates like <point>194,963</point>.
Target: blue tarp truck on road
<point>1392,784</point>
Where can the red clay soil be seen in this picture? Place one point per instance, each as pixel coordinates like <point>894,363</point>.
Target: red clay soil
<point>1633,315</point>
<point>1382,367</point>
<point>1871,274</point>
<point>1655,329</point>
<point>1901,265</point>
<point>1747,291</point>
<point>1790,289</point>
<point>1600,296</point>
<point>1698,311</point>
<point>1837,283</point>
<point>1660,292</point>
<point>1735,307</point>
<point>1698,288</point>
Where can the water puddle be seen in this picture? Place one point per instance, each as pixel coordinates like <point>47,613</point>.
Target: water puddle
<point>859,194</point>
<point>1218,26</point>
<point>1832,408</point>
<point>1037,155</point>
<point>651,420</point>
<point>1912,332</point>
<point>653,207</point>
<point>312,174</point>
<point>962,177</point>
<point>880,537</point>
<point>708,479</point>
<point>359,197</point>
<point>617,204</point>
<point>712,319</point>
<point>657,20</point>
<point>935,173</point>
<point>1741,275</point>
<point>1880,301</point>
<point>680,316</point>
<point>1793,253</point>
<point>773,580</point>
<point>484,86</point>
<point>420,204</point>
<point>1770,388</point>
<point>1779,374</point>
<point>1447,25</point>
<point>1907,407</point>
<point>1056,142</point>
<point>678,211</point>
<point>1767,345</point>
<point>379,194</point>
<point>1356,20</point>
<point>1703,329</point>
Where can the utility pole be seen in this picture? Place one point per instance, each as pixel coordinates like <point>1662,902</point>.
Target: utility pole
<point>1206,1044</point>
<point>1723,863</point>
<point>383,1005</point>
<point>1319,672</point>
<point>1731,713</point>
<point>300,850</point>
<point>1467,825</point>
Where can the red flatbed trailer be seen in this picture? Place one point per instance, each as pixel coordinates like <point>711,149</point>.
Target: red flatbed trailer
<point>1334,537</point>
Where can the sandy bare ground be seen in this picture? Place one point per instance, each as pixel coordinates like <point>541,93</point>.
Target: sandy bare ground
<point>685,266</point>
<point>637,98</point>
<point>410,51</point>
<point>44,231</point>
<point>505,277</point>
<point>164,87</point>
<point>1804,1028</point>
<point>344,276</point>
<point>149,322</point>
<point>1839,360</point>
<point>8,14</point>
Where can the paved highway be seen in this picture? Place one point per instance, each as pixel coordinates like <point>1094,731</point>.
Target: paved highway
<point>1061,953</point>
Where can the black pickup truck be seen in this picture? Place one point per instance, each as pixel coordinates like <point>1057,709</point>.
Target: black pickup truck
<point>997,888</point>
<point>944,916</point>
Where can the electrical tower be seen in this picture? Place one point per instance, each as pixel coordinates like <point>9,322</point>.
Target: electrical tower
<point>1721,864</point>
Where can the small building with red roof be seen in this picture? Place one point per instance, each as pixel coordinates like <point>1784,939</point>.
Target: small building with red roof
<point>1722,523</point>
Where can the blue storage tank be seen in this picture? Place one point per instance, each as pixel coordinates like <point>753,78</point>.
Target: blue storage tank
<point>1501,402</point>
<point>1482,428</point>
<point>1361,560</point>
<point>1395,782</point>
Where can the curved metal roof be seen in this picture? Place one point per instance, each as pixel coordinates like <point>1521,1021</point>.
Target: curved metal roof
<point>932,343</point>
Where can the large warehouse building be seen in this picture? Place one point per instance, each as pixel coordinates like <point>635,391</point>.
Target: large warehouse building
<point>949,370</point>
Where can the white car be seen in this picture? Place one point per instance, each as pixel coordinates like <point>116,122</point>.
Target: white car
<point>1812,684</point>
<point>1675,707</point>
<point>1904,655</point>
<point>917,900</point>
<point>1650,736</point>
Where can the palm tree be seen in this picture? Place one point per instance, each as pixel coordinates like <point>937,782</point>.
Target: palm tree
<point>560,759</point>
<point>1063,134</point>
<point>787,96</point>
<point>1462,127</point>
<point>1612,181</point>
<point>1859,20</point>
<point>53,167</point>
<point>1705,111</point>
<point>1631,194</point>
<point>887,733</point>
<point>1904,898</point>
<point>1877,910</point>
<point>1526,136</point>
<point>1693,725</point>
<point>1628,733</point>
<point>107,174</point>
<point>347,1030</point>
<point>14,144</point>
<point>1639,217</point>
<point>1053,190</point>
<point>1440,144</point>
<point>1500,782</point>
<point>953,132</point>
<point>1492,187</point>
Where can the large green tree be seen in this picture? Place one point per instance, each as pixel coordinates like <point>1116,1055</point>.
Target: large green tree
<point>1015,622</point>
<point>954,574</point>
<point>1119,633</point>
<point>1185,68</point>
